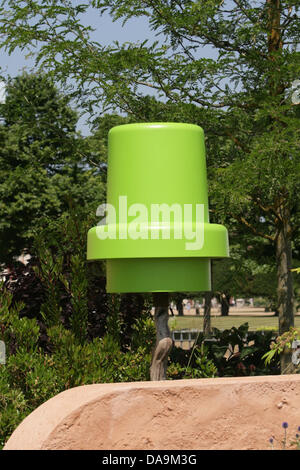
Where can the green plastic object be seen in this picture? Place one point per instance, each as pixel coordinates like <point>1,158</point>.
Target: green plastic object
<point>156,236</point>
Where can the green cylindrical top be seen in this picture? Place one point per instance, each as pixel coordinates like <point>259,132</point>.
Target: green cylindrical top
<point>156,163</point>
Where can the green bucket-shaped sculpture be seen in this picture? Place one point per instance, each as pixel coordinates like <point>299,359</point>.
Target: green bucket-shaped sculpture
<point>156,236</point>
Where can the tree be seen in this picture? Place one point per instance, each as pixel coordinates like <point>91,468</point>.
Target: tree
<point>42,170</point>
<point>242,96</point>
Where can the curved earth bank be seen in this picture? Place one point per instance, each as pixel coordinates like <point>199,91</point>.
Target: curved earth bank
<point>221,413</point>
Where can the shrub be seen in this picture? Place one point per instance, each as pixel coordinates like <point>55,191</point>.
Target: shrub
<point>13,406</point>
<point>281,343</point>
<point>238,351</point>
<point>193,364</point>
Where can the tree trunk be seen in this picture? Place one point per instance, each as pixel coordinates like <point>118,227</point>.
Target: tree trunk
<point>179,307</point>
<point>274,30</point>
<point>285,294</point>
<point>206,318</point>
<point>224,304</point>
<point>164,341</point>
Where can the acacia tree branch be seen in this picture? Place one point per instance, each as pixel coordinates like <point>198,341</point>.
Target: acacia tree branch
<point>267,209</point>
<point>173,97</point>
<point>210,39</point>
<point>242,9</point>
<point>237,142</point>
<point>252,228</point>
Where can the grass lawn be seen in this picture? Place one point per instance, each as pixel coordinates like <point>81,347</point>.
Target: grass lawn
<point>223,323</point>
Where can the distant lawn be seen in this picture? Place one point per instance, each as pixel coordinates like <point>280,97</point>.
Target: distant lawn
<point>223,323</point>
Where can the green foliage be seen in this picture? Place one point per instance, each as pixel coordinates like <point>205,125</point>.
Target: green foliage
<point>15,330</point>
<point>186,365</point>
<point>281,343</point>
<point>49,272</point>
<point>249,272</point>
<point>13,406</point>
<point>238,351</point>
<point>143,335</point>
<point>37,132</point>
<point>98,361</point>
<point>62,270</point>
<point>114,322</point>
<point>33,373</point>
<point>72,291</point>
<point>44,162</point>
<point>77,289</point>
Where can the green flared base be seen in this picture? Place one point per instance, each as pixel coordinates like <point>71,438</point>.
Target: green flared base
<point>158,275</point>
